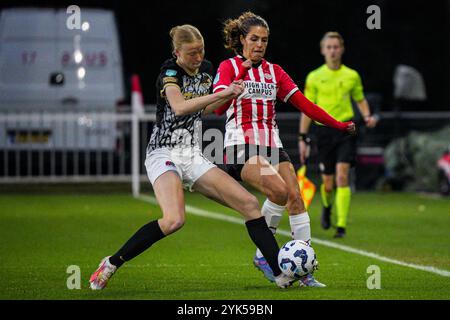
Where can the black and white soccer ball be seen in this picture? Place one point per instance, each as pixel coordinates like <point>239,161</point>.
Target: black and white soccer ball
<point>297,259</point>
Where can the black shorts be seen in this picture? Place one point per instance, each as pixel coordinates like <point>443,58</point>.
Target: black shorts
<point>236,157</point>
<point>334,146</point>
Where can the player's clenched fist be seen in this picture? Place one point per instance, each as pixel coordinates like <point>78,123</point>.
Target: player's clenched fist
<point>235,89</point>
<point>351,128</point>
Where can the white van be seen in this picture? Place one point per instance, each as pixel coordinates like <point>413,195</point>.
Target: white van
<point>47,67</point>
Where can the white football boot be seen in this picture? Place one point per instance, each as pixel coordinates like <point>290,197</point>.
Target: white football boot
<point>283,281</point>
<point>101,276</point>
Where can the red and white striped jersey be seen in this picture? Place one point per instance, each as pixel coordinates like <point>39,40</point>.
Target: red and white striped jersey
<point>251,116</point>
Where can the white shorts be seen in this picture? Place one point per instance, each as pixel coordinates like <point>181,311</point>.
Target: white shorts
<point>189,163</point>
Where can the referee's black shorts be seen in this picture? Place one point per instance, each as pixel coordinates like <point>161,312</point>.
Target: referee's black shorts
<point>333,146</point>
<point>238,155</point>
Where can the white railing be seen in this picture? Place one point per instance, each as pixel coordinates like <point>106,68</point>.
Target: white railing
<point>40,147</point>
<point>73,147</point>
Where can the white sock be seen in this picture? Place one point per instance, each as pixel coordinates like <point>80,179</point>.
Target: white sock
<point>300,227</point>
<point>272,213</point>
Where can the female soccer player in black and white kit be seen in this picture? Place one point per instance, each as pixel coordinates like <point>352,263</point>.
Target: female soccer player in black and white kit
<point>174,157</point>
<point>254,152</point>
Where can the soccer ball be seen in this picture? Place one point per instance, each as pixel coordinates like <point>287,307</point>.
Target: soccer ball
<point>297,258</point>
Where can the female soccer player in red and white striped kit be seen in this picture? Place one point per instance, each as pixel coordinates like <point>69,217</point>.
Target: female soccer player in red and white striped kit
<point>254,152</point>
<point>174,159</point>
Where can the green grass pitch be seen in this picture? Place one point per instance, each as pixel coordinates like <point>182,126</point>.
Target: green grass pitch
<point>43,234</point>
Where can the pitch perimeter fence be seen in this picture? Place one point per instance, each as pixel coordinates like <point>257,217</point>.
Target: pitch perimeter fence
<point>71,147</point>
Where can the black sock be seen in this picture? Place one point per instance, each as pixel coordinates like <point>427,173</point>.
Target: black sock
<point>265,241</point>
<point>138,243</point>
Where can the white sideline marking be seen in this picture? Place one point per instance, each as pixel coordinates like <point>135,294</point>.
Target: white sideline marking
<point>219,216</point>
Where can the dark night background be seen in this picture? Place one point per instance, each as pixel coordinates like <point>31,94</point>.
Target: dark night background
<point>414,32</point>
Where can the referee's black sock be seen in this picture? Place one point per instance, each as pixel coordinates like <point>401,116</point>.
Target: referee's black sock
<point>138,243</point>
<point>265,241</point>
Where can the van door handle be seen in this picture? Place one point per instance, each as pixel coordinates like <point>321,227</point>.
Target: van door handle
<point>57,79</point>
<point>69,100</point>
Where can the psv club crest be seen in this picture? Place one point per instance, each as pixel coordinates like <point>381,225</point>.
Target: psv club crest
<point>268,76</point>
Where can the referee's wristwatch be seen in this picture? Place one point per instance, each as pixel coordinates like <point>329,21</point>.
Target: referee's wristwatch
<point>304,137</point>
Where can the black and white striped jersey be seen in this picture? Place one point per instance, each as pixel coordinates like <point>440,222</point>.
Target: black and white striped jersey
<point>170,130</point>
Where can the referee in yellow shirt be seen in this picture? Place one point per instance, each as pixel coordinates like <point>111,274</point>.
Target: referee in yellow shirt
<point>332,86</point>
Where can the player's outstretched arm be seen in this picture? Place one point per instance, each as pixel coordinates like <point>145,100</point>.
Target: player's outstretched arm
<point>183,107</point>
<point>222,102</point>
<point>316,113</point>
<point>243,70</point>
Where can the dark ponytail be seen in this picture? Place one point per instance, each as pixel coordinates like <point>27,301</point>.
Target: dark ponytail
<point>234,28</point>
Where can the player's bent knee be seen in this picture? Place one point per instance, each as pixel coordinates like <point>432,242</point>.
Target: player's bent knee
<point>171,225</point>
<point>250,204</point>
<point>279,198</point>
<point>176,225</point>
<point>277,193</point>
